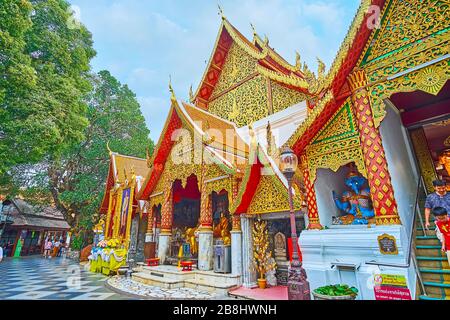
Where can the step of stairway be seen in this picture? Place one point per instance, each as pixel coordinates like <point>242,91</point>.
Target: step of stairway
<point>427,262</point>
<point>439,288</point>
<point>429,232</point>
<point>432,297</point>
<point>432,274</point>
<point>161,282</point>
<point>430,251</point>
<point>427,240</point>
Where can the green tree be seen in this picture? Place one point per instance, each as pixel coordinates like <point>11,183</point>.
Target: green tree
<point>77,180</point>
<point>42,109</point>
<point>17,76</point>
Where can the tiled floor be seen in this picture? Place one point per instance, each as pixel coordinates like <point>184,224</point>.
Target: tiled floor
<point>36,278</point>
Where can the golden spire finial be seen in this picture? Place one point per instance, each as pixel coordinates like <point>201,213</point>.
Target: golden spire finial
<point>148,157</point>
<point>254,29</point>
<point>266,40</point>
<point>221,11</point>
<point>321,68</point>
<point>298,61</point>
<point>109,149</point>
<point>125,174</point>
<point>172,97</point>
<point>191,94</point>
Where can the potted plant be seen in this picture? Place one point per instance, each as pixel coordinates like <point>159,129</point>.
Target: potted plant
<point>262,257</point>
<point>335,292</point>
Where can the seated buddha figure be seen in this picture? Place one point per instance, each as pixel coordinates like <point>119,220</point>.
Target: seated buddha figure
<point>356,203</point>
<point>222,230</point>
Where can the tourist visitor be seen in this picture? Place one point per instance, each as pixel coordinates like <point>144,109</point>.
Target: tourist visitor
<point>439,198</point>
<point>47,248</point>
<point>443,224</point>
<point>56,248</point>
<point>1,253</point>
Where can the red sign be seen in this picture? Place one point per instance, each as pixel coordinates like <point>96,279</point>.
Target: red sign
<point>391,287</point>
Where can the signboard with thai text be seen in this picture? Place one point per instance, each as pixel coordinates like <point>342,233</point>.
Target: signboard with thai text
<point>391,287</point>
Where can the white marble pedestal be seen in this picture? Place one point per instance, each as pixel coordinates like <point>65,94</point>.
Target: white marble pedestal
<point>205,251</point>
<point>236,253</point>
<point>163,247</point>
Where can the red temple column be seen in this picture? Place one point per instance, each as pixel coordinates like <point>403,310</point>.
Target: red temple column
<point>167,212</point>
<point>381,189</point>
<point>311,199</point>
<point>206,218</point>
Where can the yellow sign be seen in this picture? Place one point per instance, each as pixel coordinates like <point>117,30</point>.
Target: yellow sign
<point>390,280</point>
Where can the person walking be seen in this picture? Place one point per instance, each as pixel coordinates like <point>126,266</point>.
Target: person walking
<point>1,253</point>
<point>56,248</point>
<point>439,198</point>
<point>443,224</point>
<point>47,248</point>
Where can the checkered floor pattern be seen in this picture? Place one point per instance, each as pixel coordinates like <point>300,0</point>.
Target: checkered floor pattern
<point>36,278</point>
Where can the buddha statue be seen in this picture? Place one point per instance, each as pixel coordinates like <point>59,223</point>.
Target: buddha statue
<point>190,237</point>
<point>222,230</point>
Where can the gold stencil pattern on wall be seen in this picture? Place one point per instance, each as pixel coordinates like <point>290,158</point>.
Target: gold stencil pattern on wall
<point>250,99</point>
<point>409,21</point>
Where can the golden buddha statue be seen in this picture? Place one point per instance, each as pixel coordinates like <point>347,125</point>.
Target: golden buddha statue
<point>222,230</point>
<point>189,236</point>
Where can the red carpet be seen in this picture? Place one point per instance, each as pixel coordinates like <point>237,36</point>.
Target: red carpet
<point>274,293</point>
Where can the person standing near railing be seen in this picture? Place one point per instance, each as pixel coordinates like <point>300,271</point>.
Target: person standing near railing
<point>443,224</point>
<point>439,198</point>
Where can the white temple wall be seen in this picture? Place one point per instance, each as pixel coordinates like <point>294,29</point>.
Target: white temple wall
<point>401,164</point>
<point>326,182</point>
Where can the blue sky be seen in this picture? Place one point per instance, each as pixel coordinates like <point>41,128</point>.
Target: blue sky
<point>142,42</point>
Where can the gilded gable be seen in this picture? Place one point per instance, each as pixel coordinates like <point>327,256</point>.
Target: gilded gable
<point>407,21</point>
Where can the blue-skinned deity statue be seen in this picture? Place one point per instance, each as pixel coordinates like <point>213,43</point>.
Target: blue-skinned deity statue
<point>355,204</point>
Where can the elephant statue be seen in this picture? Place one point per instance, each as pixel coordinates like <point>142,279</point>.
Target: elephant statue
<point>356,203</point>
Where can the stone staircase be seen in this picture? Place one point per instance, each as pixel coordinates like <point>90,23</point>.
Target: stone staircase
<point>170,277</point>
<point>433,265</point>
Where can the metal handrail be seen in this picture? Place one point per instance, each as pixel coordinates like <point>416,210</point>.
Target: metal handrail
<point>411,256</point>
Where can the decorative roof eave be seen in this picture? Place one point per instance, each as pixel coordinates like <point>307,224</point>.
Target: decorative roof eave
<point>355,28</point>
<point>289,80</point>
<point>325,102</point>
<point>266,54</point>
<point>177,111</point>
<point>252,175</point>
<point>336,77</point>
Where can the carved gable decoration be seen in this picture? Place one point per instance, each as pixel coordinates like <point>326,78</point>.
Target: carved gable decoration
<point>337,144</point>
<point>405,22</point>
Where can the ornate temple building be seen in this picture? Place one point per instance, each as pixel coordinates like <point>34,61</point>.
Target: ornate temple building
<point>380,125</point>
<point>121,211</point>
<point>371,135</point>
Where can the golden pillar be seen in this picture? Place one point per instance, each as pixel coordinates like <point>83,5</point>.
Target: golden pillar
<point>236,219</point>
<point>423,155</point>
<point>379,179</point>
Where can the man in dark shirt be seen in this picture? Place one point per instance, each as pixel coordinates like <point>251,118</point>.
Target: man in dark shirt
<point>440,198</point>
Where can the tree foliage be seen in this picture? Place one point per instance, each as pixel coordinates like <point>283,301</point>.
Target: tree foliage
<point>44,70</point>
<point>75,181</point>
<point>56,116</point>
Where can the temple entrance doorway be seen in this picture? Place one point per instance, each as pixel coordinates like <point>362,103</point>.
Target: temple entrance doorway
<point>427,119</point>
<point>186,215</point>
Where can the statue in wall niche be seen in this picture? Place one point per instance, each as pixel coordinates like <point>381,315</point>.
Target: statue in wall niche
<point>280,247</point>
<point>355,204</point>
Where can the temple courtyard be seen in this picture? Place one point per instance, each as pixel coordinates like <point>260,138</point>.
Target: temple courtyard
<point>35,278</point>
